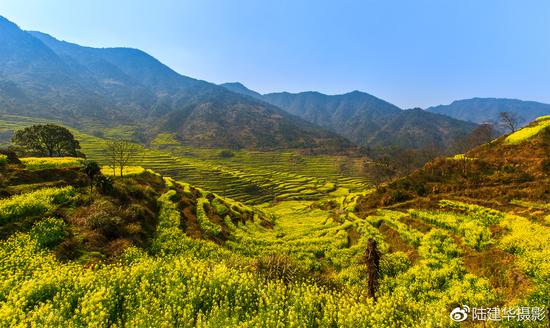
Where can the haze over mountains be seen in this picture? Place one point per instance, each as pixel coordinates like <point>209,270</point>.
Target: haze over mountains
<point>481,110</point>
<point>89,87</point>
<point>42,76</point>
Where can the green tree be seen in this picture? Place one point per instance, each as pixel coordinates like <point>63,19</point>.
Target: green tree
<point>46,140</point>
<point>92,170</point>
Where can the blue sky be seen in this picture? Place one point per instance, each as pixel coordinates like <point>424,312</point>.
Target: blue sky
<point>411,53</point>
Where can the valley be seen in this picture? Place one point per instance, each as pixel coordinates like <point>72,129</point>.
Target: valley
<point>135,196</point>
<point>249,176</point>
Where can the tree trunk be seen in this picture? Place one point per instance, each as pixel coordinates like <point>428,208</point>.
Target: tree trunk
<point>372,260</point>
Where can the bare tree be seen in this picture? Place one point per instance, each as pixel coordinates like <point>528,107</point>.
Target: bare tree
<point>120,153</point>
<point>510,121</point>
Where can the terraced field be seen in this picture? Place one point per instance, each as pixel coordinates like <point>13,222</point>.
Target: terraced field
<point>298,262</point>
<point>249,176</point>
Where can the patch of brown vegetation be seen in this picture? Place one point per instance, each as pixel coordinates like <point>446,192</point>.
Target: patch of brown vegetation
<point>396,243</point>
<point>192,228</point>
<point>416,224</point>
<point>107,224</point>
<point>353,236</point>
<point>500,268</point>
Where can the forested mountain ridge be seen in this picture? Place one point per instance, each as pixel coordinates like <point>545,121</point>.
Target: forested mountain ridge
<point>41,76</point>
<point>368,120</point>
<point>479,110</point>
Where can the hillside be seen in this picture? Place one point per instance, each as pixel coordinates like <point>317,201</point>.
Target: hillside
<point>154,250</point>
<point>511,167</point>
<point>367,120</point>
<point>472,230</point>
<point>98,88</point>
<point>116,217</point>
<point>479,110</point>
<point>493,202</point>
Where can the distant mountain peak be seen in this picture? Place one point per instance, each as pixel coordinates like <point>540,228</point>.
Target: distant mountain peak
<point>480,110</point>
<point>240,88</point>
<point>5,21</point>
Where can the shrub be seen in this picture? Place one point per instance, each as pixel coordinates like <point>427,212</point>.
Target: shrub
<point>220,208</point>
<point>545,167</point>
<point>396,196</point>
<point>394,264</point>
<point>484,215</point>
<point>228,223</point>
<point>3,159</point>
<point>109,226</point>
<point>104,184</point>
<point>226,154</point>
<point>49,232</point>
<point>11,156</point>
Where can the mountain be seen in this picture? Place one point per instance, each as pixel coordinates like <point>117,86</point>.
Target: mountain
<point>368,120</point>
<point>96,87</point>
<point>339,112</point>
<point>416,129</point>
<point>481,110</point>
<point>238,87</point>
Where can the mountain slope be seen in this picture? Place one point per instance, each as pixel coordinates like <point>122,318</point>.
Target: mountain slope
<point>414,128</point>
<point>31,75</point>
<point>367,120</point>
<point>481,110</point>
<point>90,87</point>
<point>511,167</point>
<point>337,112</point>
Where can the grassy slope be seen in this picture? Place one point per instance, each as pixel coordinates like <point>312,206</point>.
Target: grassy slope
<point>251,177</point>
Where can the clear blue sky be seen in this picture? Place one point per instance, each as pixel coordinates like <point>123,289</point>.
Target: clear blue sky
<point>411,53</point>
